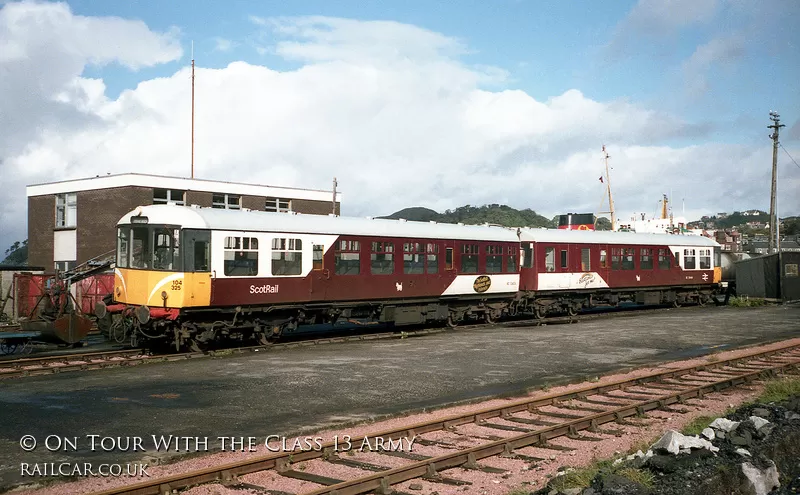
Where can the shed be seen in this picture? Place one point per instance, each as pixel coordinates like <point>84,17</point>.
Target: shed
<point>772,276</point>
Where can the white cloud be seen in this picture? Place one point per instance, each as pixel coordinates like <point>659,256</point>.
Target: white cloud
<point>223,45</point>
<point>392,113</point>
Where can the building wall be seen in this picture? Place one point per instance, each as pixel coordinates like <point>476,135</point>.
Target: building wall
<point>314,207</point>
<point>256,203</point>
<point>199,198</point>
<point>41,220</point>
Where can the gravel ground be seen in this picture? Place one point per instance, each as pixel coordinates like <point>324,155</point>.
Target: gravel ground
<point>519,473</point>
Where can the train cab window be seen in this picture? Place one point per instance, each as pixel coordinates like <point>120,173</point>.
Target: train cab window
<point>689,259</point>
<point>705,259</point>
<point>469,258</point>
<point>527,255</point>
<point>347,258</point>
<point>511,259</point>
<point>646,259</point>
<point>166,244</point>
<point>241,256</point>
<point>413,258</point>
<point>196,250</point>
<point>287,257</point>
<point>141,249</point>
<point>494,259</point>
<point>381,258</point>
<point>448,258</point>
<point>550,259</point>
<point>564,263</point>
<point>586,260</point>
<point>123,242</point>
<point>627,259</point>
<point>663,259</point>
<point>717,257</point>
<point>433,258</point>
<point>317,253</point>
<point>603,259</point>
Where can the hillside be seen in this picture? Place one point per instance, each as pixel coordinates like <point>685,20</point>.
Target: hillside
<point>474,215</point>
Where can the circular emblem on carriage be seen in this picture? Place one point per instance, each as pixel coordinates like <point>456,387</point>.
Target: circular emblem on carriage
<point>482,283</point>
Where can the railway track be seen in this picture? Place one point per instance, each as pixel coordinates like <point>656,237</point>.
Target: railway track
<point>498,431</point>
<point>83,361</point>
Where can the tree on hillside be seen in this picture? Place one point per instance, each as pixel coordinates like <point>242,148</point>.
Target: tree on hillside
<point>17,254</point>
<point>603,223</point>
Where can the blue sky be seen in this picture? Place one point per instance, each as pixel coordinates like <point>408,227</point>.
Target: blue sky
<point>409,103</point>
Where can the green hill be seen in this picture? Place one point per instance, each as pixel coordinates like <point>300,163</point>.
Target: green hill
<point>17,254</point>
<point>474,215</point>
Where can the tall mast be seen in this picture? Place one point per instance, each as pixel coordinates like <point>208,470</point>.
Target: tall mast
<point>192,109</point>
<point>608,187</point>
<point>664,201</point>
<point>333,206</point>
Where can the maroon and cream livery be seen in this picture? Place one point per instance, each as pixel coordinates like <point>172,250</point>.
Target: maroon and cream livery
<point>193,275</point>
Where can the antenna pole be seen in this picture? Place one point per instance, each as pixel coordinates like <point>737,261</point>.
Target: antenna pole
<point>333,205</point>
<point>773,220</point>
<point>608,187</point>
<point>192,109</point>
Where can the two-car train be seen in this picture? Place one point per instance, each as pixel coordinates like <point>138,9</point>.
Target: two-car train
<point>188,276</point>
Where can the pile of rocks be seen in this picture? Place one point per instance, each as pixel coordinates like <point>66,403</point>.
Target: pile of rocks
<point>754,451</point>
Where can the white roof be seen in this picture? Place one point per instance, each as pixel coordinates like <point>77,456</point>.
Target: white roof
<point>611,237</point>
<point>184,184</point>
<point>262,221</point>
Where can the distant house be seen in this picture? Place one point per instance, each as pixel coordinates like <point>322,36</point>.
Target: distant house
<point>722,215</point>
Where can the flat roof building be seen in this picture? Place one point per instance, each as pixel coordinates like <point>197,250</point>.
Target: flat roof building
<point>71,222</point>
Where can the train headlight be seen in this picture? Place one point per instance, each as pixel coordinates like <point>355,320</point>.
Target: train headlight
<point>164,295</point>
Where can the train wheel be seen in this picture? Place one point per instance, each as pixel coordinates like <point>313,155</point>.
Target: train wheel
<point>539,313</point>
<point>451,322</point>
<point>571,310</point>
<point>488,318</point>
<point>676,303</point>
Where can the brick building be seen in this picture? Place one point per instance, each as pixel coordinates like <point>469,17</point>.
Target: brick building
<point>71,222</point>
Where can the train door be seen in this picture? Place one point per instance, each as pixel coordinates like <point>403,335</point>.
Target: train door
<point>527,266</point>
<point>564,261</point>
<point>198,275</point>
<point>604,262</point>
<point>320,272</point>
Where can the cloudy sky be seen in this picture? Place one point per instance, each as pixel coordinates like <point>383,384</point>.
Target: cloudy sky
<point>410,103</point>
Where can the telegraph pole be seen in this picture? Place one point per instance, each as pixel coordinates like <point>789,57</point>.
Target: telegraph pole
<point>773,218</point>
<point>608,186</point>
<point>192,109</point>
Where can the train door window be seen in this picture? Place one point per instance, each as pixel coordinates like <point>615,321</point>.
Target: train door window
<point>586,260</point>
<point>141,249</point>
<point>494,259</point>
<point>241,256</point>
<point>413,258</point>
<point>550,259</point>
<point>663,259</point>
<point>627,259</point>
<point>616,258</point>
<point>469,258</point>
<point>196,252</point>
<point>123,240</point>
<point>677,258</point>
<point>511,259</point>
<point>382,258</point>
<point>689,259</point>
<point>448,258</point>
<point>317,252</point>
<point>564,264</point>
<point>287,256</point>
<point>603,259</point>
<point>705,259</point>
<point>646,259</point>
<point>347,258</point>
<point>433,258</point>
<point>527,255</point>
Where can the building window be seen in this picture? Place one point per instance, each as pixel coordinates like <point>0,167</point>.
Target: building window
<point>226,201</point>
<point>586,260</point>
<point>63,266</point>
<point>241,256</point>
<point>689,259</point>
<point>550,259</point>
<point>413,258</point>
<point>433,258</point>
<point>162,196</point>
<point>317,257</point>
<point>494,259</point>
<point>66,210</point>
<point>381,258</point>
<point>348,258</point>
<point>469,258</point>
<point>646,259</point>
<point>705,259</point>
<point>564,263</point>
<point>287,257</point>
<point>511,259</point>
<point>527,255</point>
<point>278,205</point>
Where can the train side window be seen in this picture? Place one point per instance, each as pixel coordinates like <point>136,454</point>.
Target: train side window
<point>382,258</point>
<point>550,259</point>
<point>678,258</point>
<point>663,259</point>
<point>511,259</point>
<point>705,259</point>
<point>527,255</point>
<point>564,263</point>
<point>627,259</point>
<point>347,258</point>
<point>689,259</point>
<point>413,258</point>
<point>196,252</point>
<point>123,239</point>
<point>603,259</point>
<point>646,259</point>
<point>494,259</point>
<point>448,258</point>
<point>717,257</point>
<point>241,256</point>
<point>616,258</point>
<point>433,258</point>
<point>586,260</point>
<point>469,258</point>
<point>287,257</point>
<point>317,253</point>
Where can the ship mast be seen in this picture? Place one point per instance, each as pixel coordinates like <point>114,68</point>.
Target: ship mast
<point>664,207</point>
<point>608,188</point>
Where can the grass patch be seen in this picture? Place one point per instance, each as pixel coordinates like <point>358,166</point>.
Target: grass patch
<point>780,389</point>
<point>577,478</point>
<point>746,302</point>
<point>697,425</point>
<point>641,476</point>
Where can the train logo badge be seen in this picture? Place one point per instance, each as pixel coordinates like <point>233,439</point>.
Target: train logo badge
<point>586,279</point>
<point>482,283</point>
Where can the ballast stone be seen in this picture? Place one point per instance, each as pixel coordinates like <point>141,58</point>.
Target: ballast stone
<point>724,424</point>
<point>675,442</point>
<point>760,482</point>
<point>708,433</point>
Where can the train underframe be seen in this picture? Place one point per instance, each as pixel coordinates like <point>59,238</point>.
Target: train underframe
<point>216,327</point>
